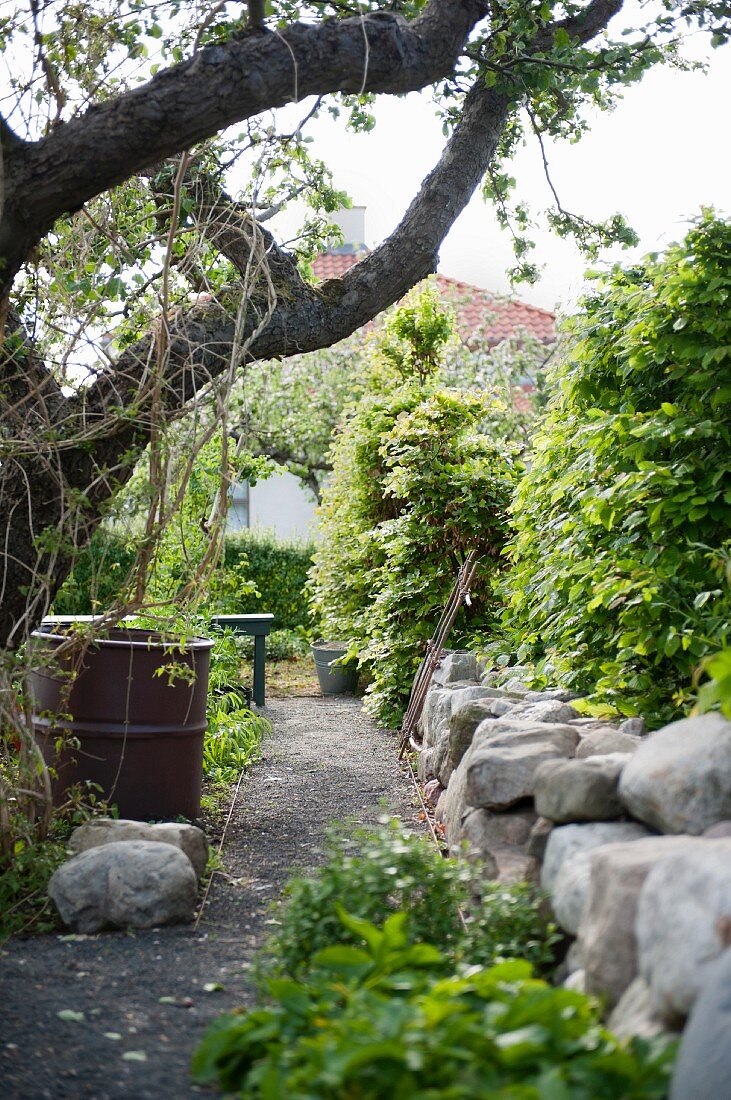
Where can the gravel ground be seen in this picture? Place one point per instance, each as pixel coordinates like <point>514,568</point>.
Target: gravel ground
<point>325,761</point>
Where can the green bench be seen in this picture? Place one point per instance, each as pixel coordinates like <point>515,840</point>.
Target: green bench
<point>258,626</point>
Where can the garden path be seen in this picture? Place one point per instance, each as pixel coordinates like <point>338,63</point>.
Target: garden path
<point>324,761</point>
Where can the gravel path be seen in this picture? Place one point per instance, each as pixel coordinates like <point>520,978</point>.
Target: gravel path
<point>325,761</point>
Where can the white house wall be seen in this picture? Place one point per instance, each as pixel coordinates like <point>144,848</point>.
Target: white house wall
<point>283,505</point>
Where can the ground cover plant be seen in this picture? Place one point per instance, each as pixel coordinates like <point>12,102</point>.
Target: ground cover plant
<point>234,732</point>
<point>387,1018</point>
<point>619,579</point>
<point>422,476</point>
<point>376,872</point>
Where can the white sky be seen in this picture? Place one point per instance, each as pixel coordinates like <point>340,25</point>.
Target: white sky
<point>661,155</point>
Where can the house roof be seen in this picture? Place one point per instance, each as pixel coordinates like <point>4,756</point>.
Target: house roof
<point>478,311</point>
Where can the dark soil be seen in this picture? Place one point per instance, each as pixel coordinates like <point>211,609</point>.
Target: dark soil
<point>325,761</point>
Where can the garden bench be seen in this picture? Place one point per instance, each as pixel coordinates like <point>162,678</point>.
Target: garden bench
<point>259,626</point>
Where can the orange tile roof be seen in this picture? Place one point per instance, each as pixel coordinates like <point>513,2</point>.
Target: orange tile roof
<point>478,311</point>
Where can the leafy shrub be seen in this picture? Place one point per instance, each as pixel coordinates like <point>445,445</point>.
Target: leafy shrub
<point>619,555</point>
<point>98,575</point>
<point>24,874</point>
<point>422,475</point>
<point>234,731</point>
<point>716,692</point>
<point>381,1021</point>
<point>277,572</point>
<point>377,872</point>
<point>509,923</point>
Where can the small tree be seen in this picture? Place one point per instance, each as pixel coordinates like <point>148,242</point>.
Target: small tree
<point>417,484</point>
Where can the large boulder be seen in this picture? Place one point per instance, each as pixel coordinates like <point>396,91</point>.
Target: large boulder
<point>570,887</point>
<point>107,830</point>
<point>703,1067</point>
<point>505,755</point>
<point>607,930</point>
<point>566,841</point>
<point>605,740</point>
<point>580,790</point>
<point>679,779</point>
<point>684,924</point>
<point>127,884</point>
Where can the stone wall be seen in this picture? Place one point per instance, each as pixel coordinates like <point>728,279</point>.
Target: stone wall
<point>629,833</point>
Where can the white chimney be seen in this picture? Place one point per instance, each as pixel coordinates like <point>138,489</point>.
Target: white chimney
<point>352,223</point>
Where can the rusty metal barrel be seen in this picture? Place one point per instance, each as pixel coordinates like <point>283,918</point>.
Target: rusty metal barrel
<point>126,712</point>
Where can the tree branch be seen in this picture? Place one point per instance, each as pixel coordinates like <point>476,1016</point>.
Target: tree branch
<point>221,84</point>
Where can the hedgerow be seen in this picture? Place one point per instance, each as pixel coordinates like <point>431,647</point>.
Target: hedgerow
<point>619,563</point>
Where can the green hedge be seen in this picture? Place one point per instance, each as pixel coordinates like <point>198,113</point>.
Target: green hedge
<point>621,560</point>
<point>278,571</point>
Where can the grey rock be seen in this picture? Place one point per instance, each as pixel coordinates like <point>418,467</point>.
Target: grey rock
<point>456,806</point>
<point>574,958</point>
<point>462,725</point>
<point>441,761</point>
<point>567,840</point>
<point>125,884</point>
<point>425,765</point>
<point>550,695</point>
<point>470,842</point>
<point>633,726</point>
<point>485,831</point>
<point>455,666</point>
<point>514,866</point>
<point>607,930</point>
<point>580,790</point>
<point>576,980</point>
<point>632,1015</point>
<point>538,839</point>
<point>679,779</point>
<point>432,792</point>
<point>505,755</point>
<point>718,831</point>
<point>515,684</point>
<point>552,710</point>
<point>436,712</point>
<point>439,808</point>
<point>570,891</point>
<point>499,707</point>
<point>605,741</point>
<point>684,924</point>
<point>107,830</point>
<point>703,1066</point>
